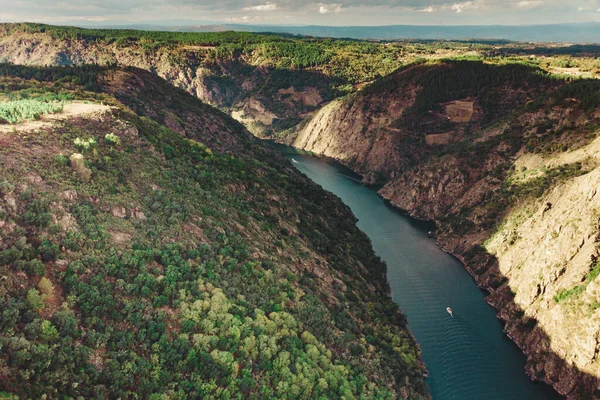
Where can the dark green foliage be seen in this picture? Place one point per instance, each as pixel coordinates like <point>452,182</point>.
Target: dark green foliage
<point>586,92</point>
<point>85,76</point>
<point>122,36</point>
<point>292,54</point>
<point>458,79</point>
<point>348,60</point>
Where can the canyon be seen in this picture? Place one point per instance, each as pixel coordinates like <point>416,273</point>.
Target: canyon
<point>502,156</point>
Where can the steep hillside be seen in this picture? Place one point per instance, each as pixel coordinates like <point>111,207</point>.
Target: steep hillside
<point>403,118</point>
<point>268,82</point>
<point>505,159</point>
<point>150,247</point>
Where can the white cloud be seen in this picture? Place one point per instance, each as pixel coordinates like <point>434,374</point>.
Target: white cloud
<point>467,5</point>
<point>330,8</point>
<point>529,4</point>
<point>262,7</point>
<point>426,9</point>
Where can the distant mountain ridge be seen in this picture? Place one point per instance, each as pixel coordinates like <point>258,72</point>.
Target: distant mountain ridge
<point>571,32</point>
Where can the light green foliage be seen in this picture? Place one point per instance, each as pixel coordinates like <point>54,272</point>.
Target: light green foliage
<point>46,287</point>
<point>48,332</point>
<point>112,139</point>
<point>85,144</point>
<point>14,112</point>
<point>62,160</point>
<point>35,300</point>
<point>264,339</point>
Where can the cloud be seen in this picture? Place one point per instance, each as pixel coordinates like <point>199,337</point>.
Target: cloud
<point>529,4</point>
<point>262,7</point>
<point>340,12</point>
<point>330,8</point>
<point>465,6</point>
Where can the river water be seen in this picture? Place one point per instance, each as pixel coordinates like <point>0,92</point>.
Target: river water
<point>468,356</point>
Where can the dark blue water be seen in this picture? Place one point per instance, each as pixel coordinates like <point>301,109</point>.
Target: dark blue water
<point>468,356</point>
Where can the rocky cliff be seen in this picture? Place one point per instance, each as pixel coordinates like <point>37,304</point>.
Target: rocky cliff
<point>505,160</point>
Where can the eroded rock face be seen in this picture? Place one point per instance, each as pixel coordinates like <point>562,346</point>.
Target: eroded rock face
<point>438,139</point>
<point>547,251</point>
<point>543,247</point>
<point>348,131</point>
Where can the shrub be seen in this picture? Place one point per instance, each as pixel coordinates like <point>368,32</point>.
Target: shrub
<point>579,289</point>
<point>46,287</point>
<point>48,332</point>
<point>112,139</point>
<point>35,300</point>
<point>85,144</point>
<point>568,293</point>
<point>78,165</point>
<point>62,160</point>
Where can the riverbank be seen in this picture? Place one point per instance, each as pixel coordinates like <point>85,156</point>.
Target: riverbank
<point>467,356</point>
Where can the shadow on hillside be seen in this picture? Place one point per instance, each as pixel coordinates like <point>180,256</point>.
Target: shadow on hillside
<point>543,363</point>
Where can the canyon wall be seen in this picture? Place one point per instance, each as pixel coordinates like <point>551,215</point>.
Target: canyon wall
<point>508,167</point>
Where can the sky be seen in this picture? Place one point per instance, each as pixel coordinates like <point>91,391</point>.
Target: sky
<point>304,12</point>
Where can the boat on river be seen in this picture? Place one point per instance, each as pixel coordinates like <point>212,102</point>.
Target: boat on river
<point>450,311</point>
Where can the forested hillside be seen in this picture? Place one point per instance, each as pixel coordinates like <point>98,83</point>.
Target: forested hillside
<point>151,248</point>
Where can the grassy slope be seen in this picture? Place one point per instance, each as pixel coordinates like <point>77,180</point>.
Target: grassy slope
<point>181,271</point>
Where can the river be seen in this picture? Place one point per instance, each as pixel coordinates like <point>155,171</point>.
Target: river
<point>468,356</point>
